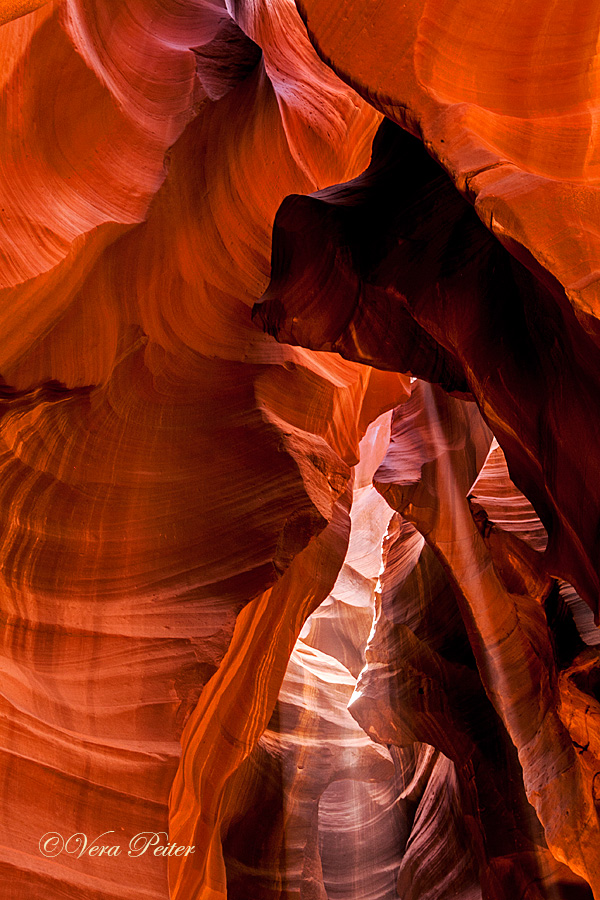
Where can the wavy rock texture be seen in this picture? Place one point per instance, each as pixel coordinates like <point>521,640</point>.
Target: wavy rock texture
<point>405,275</point>
<point>269,811</point>
<point>315,811</point>
<point>438,445</point>
<point>181,495</point>
<point>501,511</point>
<point>506,99</point>
<point>13,10</point>
<point>173,485</point>
<point>276,825</point>
<point>421,683</point>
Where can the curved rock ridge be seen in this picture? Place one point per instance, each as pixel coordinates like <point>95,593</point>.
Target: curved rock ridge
<point>421,683</point>
<point>98,135</point>
<point>272,841</point>
<point>173,483</point>
<point>314,811</point>
<point>234,710</point>
<point>507,99</point>
<point>505,511</point>
<point>14,9</point>
<point>340,626</point>
<point>438,446</point>
<point>257,820</point>
<point>396,270</point>
<point>372,852</point>
<point>182,497</point>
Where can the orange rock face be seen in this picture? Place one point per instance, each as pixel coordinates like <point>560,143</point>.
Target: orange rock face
<point>501,604</point>
<point>405,276</point>
<point>140,406</point>
<point>232,666</point>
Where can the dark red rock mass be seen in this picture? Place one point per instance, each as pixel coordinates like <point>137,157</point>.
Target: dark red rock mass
<point>299,450</point>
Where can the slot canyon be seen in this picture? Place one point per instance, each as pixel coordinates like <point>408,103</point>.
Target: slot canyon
<point>300,450</point>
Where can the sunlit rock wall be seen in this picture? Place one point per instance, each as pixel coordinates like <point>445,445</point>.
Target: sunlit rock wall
<point>174,485</point>
<point>219,264</point>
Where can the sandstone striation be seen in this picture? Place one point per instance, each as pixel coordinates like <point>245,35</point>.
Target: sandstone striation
<point>163,463</point>
<point>490,681</point>
<point>405,276</point>
<point>234,236</point>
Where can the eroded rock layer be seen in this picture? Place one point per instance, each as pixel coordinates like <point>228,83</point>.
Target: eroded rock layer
<point>202,641</point>
<point>269,815</point>
<point>165,469</point>
<point>501,595</point>
<point>405,276</point>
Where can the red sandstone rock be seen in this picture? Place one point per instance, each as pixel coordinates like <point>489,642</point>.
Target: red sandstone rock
<point>438,445</point>
<point>140,407</point>
<point>403,275</point>
<point>175,485</point>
